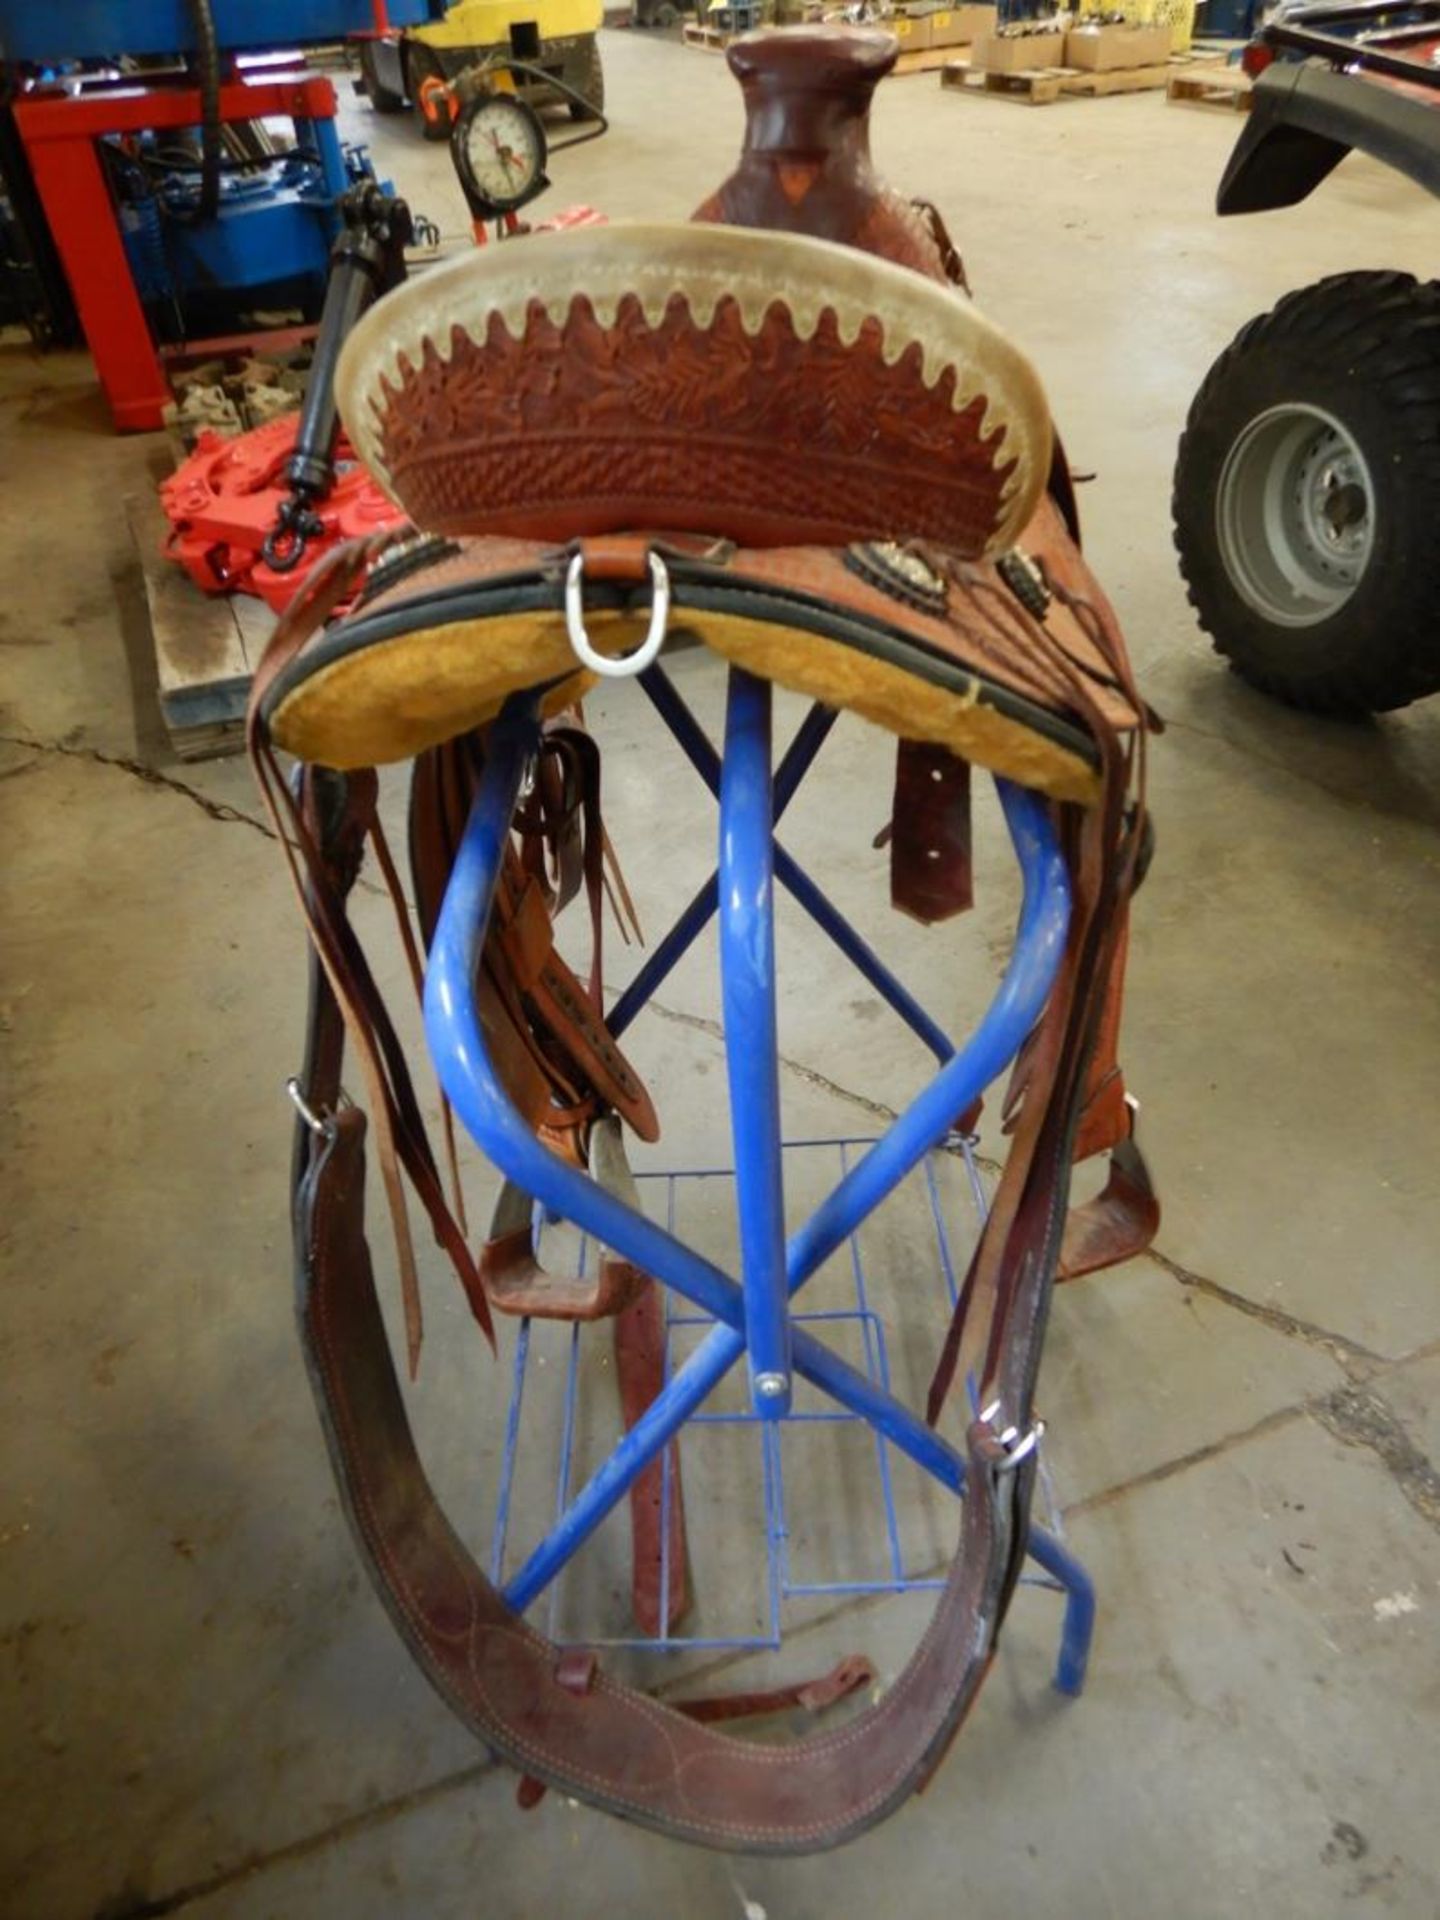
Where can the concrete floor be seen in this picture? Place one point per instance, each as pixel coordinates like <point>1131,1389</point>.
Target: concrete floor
<point>206,1712</point>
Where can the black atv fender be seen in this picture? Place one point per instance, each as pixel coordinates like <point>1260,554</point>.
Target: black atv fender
<point>1304,119</point>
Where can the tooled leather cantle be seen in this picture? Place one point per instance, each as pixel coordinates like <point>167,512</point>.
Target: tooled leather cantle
<point>792,368</point>
<point>805,166</point>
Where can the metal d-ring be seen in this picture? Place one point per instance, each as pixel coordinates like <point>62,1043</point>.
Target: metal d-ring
<point>629,663</point>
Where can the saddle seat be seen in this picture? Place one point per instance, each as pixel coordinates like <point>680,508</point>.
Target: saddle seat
<point>839,463</point>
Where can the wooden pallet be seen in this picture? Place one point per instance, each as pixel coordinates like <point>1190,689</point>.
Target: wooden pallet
<point>709,38</point>
<point>206,645</point>
<point>925,60</point>
<point>1224,87</point>
<point>1041,85</point>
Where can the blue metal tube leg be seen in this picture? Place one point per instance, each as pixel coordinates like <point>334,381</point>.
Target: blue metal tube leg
<point>747,985</point>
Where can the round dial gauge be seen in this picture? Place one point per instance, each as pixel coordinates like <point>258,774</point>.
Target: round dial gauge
<point>500,147</point>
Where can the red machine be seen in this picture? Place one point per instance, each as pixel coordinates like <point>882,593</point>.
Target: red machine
<point>232,494</point>
<point>223,501</point>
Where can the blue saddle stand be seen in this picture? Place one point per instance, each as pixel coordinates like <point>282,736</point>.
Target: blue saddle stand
<point>753,1317</point>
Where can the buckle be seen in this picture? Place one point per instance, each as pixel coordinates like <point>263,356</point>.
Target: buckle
<point>1010,1443</point>
<point>321,1125</point>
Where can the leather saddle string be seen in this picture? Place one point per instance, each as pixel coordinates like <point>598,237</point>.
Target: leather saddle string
<point>397,1115</point>
<point>578,753</point>
<point>388,1083</point>
<point>622,905</point>
<point>330,583</point>
<point>401,908</point>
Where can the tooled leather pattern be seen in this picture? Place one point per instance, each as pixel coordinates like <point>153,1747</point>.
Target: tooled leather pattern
<point>503,427</point>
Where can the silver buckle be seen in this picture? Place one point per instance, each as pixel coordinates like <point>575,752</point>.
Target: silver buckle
<point>323,1127</point>
<point>648,650</point>
<point>1014,1445</point>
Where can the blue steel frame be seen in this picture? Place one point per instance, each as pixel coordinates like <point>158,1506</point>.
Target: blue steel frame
<point>772,1270</point>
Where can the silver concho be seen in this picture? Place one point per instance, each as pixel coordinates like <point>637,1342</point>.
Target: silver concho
<point>899,572</point>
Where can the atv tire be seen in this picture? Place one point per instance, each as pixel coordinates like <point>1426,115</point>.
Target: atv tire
<point>587,76</point>
<point>382,98</point>
<point>1307,496</point>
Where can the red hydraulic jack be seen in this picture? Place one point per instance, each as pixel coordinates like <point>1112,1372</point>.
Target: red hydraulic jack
<point>224,500</point>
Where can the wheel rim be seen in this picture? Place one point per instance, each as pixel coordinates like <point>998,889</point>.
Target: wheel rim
<point>1295,515</point>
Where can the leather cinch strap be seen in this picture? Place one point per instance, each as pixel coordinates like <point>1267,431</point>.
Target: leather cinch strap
<point>616,1748</point>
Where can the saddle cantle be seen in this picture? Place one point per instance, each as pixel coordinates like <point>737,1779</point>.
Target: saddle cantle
<point>769,388</point>
<point>784,429</point>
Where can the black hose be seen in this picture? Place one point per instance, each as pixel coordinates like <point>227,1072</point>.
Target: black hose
<point>164,160</point>
<point>207,47</point>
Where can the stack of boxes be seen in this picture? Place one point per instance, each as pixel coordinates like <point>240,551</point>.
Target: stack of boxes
<point>1092,46</point>
<point>1103,49</point>
<point>921,24</point>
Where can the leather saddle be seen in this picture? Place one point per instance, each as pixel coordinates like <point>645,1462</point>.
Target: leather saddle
<point>783,429</point>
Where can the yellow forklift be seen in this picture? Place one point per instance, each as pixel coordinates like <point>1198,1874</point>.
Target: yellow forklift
<point>416,65</point>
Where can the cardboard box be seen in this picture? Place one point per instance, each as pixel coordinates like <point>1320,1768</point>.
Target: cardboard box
<point>1019,53</point>
<point>1106,49</point>
<point>912,30</point>
<point>960,26</point>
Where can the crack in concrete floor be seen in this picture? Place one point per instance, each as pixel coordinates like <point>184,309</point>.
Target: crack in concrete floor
<point>142,771</point>
<point>130,1905</point>
<point>701,1023</point>
<point>1360,1417</point>
<point>1356,1360</point>
<point>151,776</point>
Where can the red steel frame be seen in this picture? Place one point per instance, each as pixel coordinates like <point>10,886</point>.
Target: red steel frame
<point>59,132</point>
